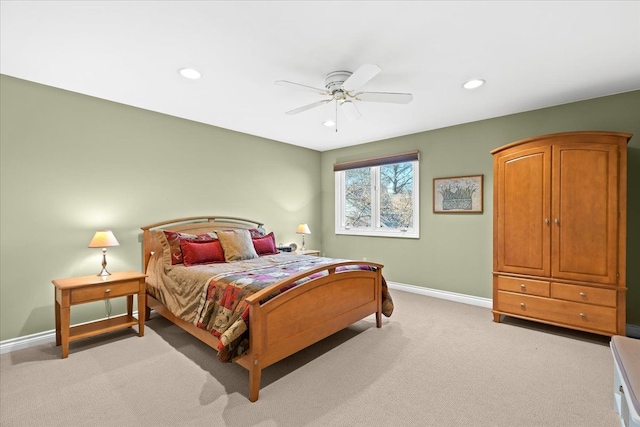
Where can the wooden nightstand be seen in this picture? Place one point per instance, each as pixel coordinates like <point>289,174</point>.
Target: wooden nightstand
<point>79,290</point>
<point>312,252</point>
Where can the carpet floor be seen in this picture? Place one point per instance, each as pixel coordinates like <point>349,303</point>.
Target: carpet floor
<point>433,363</point>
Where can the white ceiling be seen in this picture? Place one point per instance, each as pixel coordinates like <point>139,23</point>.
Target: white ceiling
<point>532,55</point>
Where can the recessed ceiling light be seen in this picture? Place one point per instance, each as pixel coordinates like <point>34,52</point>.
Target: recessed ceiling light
<point>329,123</point>
<point>190,73</point>
<point>473,84</point>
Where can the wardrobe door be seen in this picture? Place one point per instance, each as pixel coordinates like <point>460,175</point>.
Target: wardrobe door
<point>523,211</point>
<point>585,212</point>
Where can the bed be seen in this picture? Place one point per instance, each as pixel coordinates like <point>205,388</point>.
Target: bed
<point>253,311</point>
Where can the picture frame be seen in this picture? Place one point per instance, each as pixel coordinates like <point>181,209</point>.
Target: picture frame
<point>458,194</point>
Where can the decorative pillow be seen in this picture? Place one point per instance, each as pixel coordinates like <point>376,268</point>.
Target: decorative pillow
<point>237,245</point>
<point>171,245</point>
<point>201,252</point>
<point>265,245</point>
<point>257,232</point>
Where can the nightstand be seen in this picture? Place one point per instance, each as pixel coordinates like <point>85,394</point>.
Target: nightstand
<point>312,252</point>
<point>80,290</point>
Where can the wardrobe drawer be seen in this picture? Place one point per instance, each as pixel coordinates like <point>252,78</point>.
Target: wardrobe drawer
<point>524,286</point>
<point>581,315</point>
<point>584,294</point>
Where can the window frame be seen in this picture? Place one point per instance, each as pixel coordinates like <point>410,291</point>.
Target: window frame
<point>376,230</point>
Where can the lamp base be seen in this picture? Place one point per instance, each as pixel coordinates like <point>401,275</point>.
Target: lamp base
<point>104,271</point>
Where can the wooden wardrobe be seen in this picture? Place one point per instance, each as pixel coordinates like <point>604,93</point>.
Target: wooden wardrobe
<point>559,230</point>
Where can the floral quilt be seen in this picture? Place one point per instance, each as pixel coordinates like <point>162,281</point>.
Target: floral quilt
<point>224,312</point>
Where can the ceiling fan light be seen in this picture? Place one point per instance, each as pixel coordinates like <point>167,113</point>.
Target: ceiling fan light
<point>473,84</point>
<point>190,73</point>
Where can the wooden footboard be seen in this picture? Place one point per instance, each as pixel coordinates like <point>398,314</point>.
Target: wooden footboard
<point>292,320</point>
<point>307,313</point>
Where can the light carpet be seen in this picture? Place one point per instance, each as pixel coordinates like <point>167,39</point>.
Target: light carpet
<point>433,363</point>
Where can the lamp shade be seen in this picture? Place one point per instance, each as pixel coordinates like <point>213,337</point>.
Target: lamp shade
<point>303,229</point>
<point>103,239</point>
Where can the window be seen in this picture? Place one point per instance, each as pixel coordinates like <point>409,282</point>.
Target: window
<point>378,197</point>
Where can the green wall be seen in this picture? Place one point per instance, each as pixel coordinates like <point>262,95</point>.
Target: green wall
<point>454,252</point>
<point>71,164</point>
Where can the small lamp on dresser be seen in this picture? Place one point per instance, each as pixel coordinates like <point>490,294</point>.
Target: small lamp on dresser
<point>303,229</point>
<point>103,239</point>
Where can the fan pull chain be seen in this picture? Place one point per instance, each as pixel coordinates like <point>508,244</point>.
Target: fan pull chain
<point>336,116</point>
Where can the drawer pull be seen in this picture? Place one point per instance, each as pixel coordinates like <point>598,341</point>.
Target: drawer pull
<point>522,305</point>
<point>583,315</point>
<point>522,286</point>
<point>106,291</point>
<point>582,294</point>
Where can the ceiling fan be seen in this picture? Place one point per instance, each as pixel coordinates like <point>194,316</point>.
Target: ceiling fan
<point>342,86</point>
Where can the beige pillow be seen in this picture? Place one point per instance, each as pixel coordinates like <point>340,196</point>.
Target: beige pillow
<point>237,245</point>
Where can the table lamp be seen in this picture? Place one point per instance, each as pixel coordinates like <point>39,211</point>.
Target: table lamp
<point>103,239</point>
<point>303,229</point>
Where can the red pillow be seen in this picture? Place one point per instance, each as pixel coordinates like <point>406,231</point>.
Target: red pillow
<point>174,239</point>
<point>265,245</point>
<point>201,252</point>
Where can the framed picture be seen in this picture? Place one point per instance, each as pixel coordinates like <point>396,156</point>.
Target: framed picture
<point>458,194</point>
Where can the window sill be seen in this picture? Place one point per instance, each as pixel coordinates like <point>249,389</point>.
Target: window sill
<point>369,233</point>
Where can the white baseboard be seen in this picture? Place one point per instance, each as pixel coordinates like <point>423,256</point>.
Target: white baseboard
<point>39,338</point>
<point>19,343</point>
<point>46,337</point>
<point>436,293</point>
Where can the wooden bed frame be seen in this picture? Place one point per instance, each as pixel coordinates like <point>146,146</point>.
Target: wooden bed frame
<point>312,311</point>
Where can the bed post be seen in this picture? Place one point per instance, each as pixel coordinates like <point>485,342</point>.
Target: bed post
<point>147,244</point>
<point>255,372</point>
<point>255,350</point>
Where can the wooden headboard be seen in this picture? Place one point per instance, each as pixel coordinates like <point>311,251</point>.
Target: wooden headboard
<point>192,225</point>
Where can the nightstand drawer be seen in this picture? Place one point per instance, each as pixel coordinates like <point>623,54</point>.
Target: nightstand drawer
<point>523,286</point>
<point>584,294</point>
<point>103,291</point>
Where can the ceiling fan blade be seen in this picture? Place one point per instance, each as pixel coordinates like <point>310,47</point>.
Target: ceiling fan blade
<point>361,76</point>
<point>307,107</point>
<point>391,97</point>
<point>286,83</point>
<point>350,110</point>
